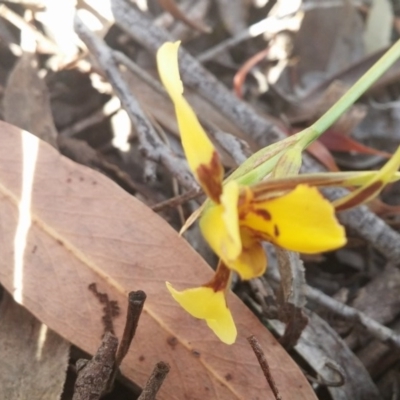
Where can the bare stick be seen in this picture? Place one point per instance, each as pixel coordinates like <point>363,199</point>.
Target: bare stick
<point>155,381</point>
<point>177,200</point>
<point>20,23</point>
<point>94,375</point>
<point>135,307</point>
<point>249,33</point>
<point>379,331</point>
<point>255,345</point>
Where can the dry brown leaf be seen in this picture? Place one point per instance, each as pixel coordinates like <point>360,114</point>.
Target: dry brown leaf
<point>33,359</point>
<point>27,102</point>
<point>85,229</point>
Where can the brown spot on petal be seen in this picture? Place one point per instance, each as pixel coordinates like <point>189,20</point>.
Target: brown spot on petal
<point>263,214</point>
<point>361,196</point>
<point>142,358</point>
<point>276,230</point>
<point>210,177</point>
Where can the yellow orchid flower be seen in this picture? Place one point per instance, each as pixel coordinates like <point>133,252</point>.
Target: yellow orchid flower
<point>236,222</point>
<point>289,212</point>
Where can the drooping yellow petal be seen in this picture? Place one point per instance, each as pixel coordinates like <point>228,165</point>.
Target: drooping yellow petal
<point>301,220</point>
<point>252,261</point>
<point>219,224</point>
<point>205,303</point>
<point>372,188</point>
<point>200,153</point>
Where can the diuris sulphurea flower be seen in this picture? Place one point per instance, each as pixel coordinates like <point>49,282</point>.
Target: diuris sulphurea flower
<point>287,211</point>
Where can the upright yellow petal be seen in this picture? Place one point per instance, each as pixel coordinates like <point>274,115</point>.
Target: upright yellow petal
<point>200,153</point>
<point>205,303</point>
<point>219,224</point>
<point>301,220</point>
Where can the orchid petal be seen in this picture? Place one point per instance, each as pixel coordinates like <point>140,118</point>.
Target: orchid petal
<point>205,303</point>
<point>200,153</point>
<point>219,224</point>
<point>252,261</point>
<point>301,220</point>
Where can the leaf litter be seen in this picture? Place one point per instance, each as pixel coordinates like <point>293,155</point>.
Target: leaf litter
<point>86,230</point>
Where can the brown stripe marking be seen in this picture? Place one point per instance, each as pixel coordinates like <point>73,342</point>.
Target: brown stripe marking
<point>221,278</point>
<point>361,196</point>
<point>265,214</point>
<point>210,176</point>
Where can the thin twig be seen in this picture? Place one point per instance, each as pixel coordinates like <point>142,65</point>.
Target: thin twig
<point>255,345</point>
<point>107,111</point>
<point>377,330</point>
<point>155,381</point>
<point>19,22</point>
<point>135,307</point>
<point>123,59</point>
<point>177,200</point>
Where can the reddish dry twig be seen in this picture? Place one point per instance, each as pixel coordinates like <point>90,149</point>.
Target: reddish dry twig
<point>255,345</point>
<point>155,381</point>
<point>177,200</point>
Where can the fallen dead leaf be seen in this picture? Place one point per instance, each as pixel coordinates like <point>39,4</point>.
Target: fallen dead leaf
<point>336,141</point>
<point>27,101</point>
<point>38,369</point>
<point>34,359</point>
<point>84,229</point>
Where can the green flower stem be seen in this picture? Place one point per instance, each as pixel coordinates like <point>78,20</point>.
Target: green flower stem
<point>347,100</point>
<point>263,162</point>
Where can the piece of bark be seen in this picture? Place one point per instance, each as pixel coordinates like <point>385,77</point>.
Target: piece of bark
<point>330,357</point>
<point>378,357</point>
<point>291,296</point>
<point>155,381</point>
<point>94,375</point>
<point>379,299</point>
<point>33,358</point>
